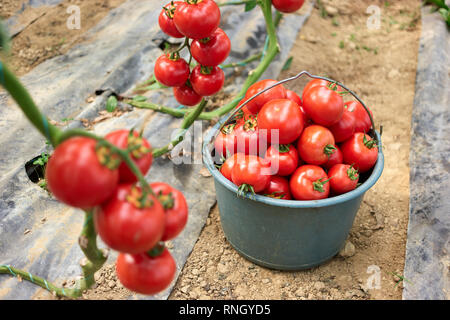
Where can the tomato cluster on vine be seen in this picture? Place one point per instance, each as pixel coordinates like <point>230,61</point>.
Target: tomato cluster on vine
<point>131,217</point>
<point>198,22</point>
<point>309,148</point>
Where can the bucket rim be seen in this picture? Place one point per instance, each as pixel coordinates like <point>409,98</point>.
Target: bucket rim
<point>359,191</point>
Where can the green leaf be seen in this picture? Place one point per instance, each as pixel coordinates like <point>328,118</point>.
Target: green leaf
<point>111,104</point>
<point>446,15</point>
<point>288,63</point>
<point>250,5</point>
<point>4,38</point>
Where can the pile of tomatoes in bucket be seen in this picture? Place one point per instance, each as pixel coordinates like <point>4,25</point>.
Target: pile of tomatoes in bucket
<point>133,220</point>
<point>287,147</point>
<point>197,21</point>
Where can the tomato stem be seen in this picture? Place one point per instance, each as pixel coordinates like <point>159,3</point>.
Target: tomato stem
<point>95,260</point>
<point>318,185</point>
<point>157,250</point>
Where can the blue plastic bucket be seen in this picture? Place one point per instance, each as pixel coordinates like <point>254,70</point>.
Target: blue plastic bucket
<point>286,234</point>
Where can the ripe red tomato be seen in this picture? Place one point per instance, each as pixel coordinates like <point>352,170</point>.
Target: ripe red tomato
<point>186,95</point>
<point>248,140</point>
<point>309,182</point>
<point>228,165</point>
<point>361,151</point>
<point>142,156</point>
<point>320,83</point>
<point>171,72</point>
<point>251,173</point>
<point>282,117</point>
<point>291,95</point>
<point>165,20</point>
<point>175,209</point>
<point>323,105</point>
<point>278,92</point>
<point>127,225</point>
<point>316,144</point>
<point>335,158</point>
<point>226,142</point>
<point>344,128</point>
<point>213,50</point>
<point>283,158</point>
<point>207,81</point>
<point>287,6</point>
<point>144,274</point>
<point>197,20</point>
<point>362,119</point>
<point>81,176</point>
<point>278,188</point>
<point>344,178</point>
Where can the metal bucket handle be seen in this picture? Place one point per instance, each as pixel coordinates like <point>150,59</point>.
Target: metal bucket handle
<point>231,116</point>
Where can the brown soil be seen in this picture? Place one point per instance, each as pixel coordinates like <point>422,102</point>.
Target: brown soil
<point>379,65</point>
<point>46,34</point>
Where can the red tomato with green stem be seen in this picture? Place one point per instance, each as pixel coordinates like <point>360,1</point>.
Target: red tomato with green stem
<point>250,173</point>
<point>283,158</point>
<point>226,142</point>
<point>343,178</point>
<point>278,188</point>
<point>309,182</point>
<point>323,105</point>
<point>207,81</point>
<point>81,174</point>
<point>141,154</point>
<point>130,221</point>
<point>212,51</point>
<point>335,158</point>
<point>287,6</point>
<point>278,92</point>
<point>228,165</point>
<point>186,96</point>
<point>362,119</point>
<point>175,209</point>
<point>361,151</point>
<point>248,137</point>
<point>171,70</point>
<point>344,128</point>
<point>165,20</point>
<point>316,145</point>
<point>197,19</point>
<point>145,274</point>
<point>282,117</point>
<point>321,83</point>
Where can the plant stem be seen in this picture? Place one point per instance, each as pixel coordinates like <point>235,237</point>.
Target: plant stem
<point>96,258</point>
<point>243,62</point>
<point>29,108</point>
<point>234,3</point>
<point>185,125</point>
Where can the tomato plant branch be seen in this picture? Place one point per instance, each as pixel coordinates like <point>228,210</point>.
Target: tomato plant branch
<point>242,63</point>
<point>95,260</point>
<point>185,125</point>
<point>234,3</point>
<point>272,51</point>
